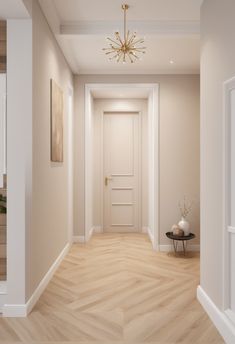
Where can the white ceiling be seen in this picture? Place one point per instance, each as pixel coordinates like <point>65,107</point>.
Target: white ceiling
<point>73,10</point>
<point>170,27</point>
<point>13,9</point>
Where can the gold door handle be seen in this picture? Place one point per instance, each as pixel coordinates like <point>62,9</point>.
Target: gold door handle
<point>106,180</point>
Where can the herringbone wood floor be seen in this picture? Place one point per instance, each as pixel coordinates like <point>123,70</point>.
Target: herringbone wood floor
<point>116,289</point>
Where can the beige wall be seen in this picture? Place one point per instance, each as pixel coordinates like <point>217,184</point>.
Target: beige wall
<point>49,231</point>
<point>179,144</point>
<point>217,65</point>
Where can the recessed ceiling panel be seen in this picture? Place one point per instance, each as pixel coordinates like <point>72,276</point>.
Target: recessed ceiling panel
<point>171,29</point>
<point>161,52</point>
<point>73,10</point>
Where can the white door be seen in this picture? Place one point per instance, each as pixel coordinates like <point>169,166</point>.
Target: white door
<point>121,172</point>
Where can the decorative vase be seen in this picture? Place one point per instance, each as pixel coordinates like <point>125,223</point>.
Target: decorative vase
<point>183,224</point>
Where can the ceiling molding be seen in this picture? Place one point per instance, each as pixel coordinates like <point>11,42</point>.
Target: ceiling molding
<point>169,71</point>
<point>142,27</point>
<point>51,15</point>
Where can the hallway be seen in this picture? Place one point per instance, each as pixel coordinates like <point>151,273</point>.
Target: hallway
<point>116,289</point>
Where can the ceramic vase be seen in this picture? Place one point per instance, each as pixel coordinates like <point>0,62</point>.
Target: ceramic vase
<point>185,226</point>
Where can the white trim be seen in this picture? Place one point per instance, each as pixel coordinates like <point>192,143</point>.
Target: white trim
<point>150,234</point>
<point>98,229</point>
<point>82,239</point>
<point>231,230</point>
<point>22,310</point>
<point>90,234</point>
<point>51,15</point>
<point>3,87</point>
<point>3,294</point>
<point>231,315</point>
<point>154,156</point>
<point>134,71</point>
<point>70,152</point>
<point>153,27</point>
<point>79,238</point>
<point>170,248</point>
<point>3,287</point>
<point>14,311</point>
<point>144,229</point>
<point>228,86</point>
<point>220,319</point>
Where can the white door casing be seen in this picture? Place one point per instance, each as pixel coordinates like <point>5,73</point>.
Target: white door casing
<point>229,199</point>
<point>2,127</point>
<point>153,154</point>
<point>121,154</point>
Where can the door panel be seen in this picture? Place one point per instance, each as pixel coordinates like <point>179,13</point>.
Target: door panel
<point>121,172</point>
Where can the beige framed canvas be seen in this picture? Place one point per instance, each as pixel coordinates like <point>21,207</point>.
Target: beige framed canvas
<point>56,123</point>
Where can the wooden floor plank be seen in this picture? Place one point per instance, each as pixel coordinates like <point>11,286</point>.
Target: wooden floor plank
<point>116,289</point>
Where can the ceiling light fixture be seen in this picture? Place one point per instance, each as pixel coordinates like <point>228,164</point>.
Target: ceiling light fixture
<point>127,49</point>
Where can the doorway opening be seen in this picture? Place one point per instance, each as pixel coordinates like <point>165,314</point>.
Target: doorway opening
<point>121,159</point>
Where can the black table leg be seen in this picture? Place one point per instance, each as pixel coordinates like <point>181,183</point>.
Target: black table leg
<point>175,244</point>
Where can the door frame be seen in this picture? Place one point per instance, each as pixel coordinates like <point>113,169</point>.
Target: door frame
<point>153,148</point>
<point>139,113</point>
<point>228,231</point>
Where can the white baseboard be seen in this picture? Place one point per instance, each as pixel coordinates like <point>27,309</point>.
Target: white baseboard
<point>144,229</point>
<point>170,248</point>
<point>150,234</point>
<point>90,233</point>
<point>79,238</point>
<point>98,229</point>
<point>82,239</point>
<point>22,310</point>
<point>219,318</point>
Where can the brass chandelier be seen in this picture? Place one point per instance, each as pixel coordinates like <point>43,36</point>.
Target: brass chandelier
<point>128,49</point>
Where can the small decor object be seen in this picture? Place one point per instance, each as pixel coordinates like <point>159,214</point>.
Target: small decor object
<point>184,225</point>
<point>185,208</point>
<point>56,123</point>
<point>175,239</point>
<point>176,230</point>
<point>126,49</point>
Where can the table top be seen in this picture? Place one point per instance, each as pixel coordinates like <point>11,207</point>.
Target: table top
<point>170,235</point>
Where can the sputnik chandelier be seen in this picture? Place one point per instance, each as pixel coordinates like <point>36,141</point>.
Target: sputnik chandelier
<point>128,49</point>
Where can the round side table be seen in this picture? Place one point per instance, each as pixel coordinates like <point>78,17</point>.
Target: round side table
<point>183,239</point>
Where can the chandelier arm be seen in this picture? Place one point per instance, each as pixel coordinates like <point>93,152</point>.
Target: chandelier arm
<point>134,55</point>
<point>130,57</point>
<point>113,57</point>
<point>138,41</point>
<point>119,39</point>
<point>115,42</point>
<point>138,48</point>
<point>111,49</point>
<point>119,57</point>
<point>139,51</point>
<point>111,52</point>
<point>132,38</point>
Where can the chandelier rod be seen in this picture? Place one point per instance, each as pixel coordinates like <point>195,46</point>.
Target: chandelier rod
<point>125,8</point>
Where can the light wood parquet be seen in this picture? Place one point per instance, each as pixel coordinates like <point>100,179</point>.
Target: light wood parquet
<point>116,289</point>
